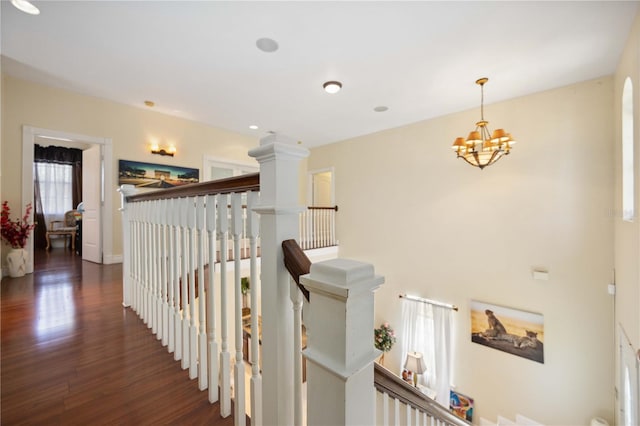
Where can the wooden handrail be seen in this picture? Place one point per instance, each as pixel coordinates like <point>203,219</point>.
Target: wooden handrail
<point>322,208</point>
<point>296,262</point>
<point>244,183</point>
<point>389,383</point>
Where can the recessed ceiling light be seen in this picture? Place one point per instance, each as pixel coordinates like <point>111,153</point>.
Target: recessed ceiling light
<point>267,44</point>
<point>381,108</point>
<point>150,104</point>
<point>26,7</point>
<point>332,86</point>
<point>253,127</point>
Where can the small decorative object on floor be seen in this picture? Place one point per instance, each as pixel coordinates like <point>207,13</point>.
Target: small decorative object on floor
<point>384,338</point>
<point>16,233</point>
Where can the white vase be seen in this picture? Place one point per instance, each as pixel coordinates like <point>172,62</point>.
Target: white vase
<point>17,260</point>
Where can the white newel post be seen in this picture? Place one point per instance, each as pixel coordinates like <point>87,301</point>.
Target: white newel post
<point>279,159</point>
<point>340,351</point>
<point>125,191</point>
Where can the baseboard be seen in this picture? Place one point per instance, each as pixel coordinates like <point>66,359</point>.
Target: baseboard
<point>111,259</point>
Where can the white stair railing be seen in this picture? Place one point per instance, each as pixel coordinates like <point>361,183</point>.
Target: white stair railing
<point>317,227</point>
<point>178,279</point>
<point>398,403</point>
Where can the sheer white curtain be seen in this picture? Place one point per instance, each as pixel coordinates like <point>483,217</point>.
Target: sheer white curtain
<point>427,329</point>
<point>55,182</point>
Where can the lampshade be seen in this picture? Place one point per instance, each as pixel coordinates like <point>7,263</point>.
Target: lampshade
<point>415,363</point>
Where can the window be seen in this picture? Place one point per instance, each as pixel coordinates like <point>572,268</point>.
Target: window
<point>628,201</point>
<point>427,329</point>
<point>55,181</point>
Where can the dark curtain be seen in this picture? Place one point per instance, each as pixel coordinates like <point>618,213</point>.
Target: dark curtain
<point>76,183</point>
<point>39,239</point>
<point>59,155</point>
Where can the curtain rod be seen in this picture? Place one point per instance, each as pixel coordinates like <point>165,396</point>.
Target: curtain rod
<point>429,301</point>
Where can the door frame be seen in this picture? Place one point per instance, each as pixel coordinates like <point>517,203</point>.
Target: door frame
<point>209,160</point>
<point>310,174</point>
<point>29,134</point>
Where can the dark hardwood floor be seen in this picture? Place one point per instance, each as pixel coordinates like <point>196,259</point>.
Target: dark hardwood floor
<point>71,354</point>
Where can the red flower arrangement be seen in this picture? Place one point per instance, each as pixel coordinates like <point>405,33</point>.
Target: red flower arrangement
<point>15,233</point>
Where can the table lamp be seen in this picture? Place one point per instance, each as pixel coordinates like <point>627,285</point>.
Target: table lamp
<point>415,364</point>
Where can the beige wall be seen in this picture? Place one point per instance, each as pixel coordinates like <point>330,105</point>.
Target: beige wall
<point>627,234</point>
<point>439,228</point>
<point>131,130</point>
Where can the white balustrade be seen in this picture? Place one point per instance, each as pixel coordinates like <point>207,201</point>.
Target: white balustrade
<point>177,278</point>
<point>317,227</point>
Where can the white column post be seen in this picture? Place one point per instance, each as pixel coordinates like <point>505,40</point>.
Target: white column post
<point>340,351</point>
<point>279,159</point>
<point>125,191</point>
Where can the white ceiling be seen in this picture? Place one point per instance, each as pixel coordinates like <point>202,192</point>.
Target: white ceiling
<point>199,60</point>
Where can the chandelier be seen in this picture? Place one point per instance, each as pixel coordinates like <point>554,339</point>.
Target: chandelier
<point>483,148</point>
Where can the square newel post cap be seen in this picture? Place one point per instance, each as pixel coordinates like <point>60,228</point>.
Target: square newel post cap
<point>341,278</point>
<point>278,146</point>
<point>340,316</point>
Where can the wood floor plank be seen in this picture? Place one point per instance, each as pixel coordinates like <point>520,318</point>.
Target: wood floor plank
<point>71,354</point>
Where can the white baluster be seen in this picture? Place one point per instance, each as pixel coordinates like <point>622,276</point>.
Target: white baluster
<point>138,258</point>
<point>148,266</point>
<point>236,230</point>
<point>159,268</point>
<point>296,298</point>
<point>193,328</point>
<point>133,207</point>
<point>211,302</point>
<point>385,409</point>
<point>396,412</point>
<point>202,332</point>
<point>333,227</point>
<point>140,251</point>
<point>141,263</point>
<point>300,232</point>
<point>162,243</point>
<point>408,412</point>
<point>184,238</point>
<point>256,379</point>
<point>155,298</point>
<point>225,358</point>
<point>307,228</point>
<point>177,238</point>
<point>171,260</point>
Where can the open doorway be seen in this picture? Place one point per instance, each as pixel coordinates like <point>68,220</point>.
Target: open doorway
<point>101,149</point>
<point>321,190</point>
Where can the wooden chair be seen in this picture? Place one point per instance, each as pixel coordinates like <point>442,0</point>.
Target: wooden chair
<point>65,228</point>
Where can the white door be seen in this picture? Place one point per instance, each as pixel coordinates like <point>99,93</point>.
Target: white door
<point>321,188</point>
<point>92,201</point>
